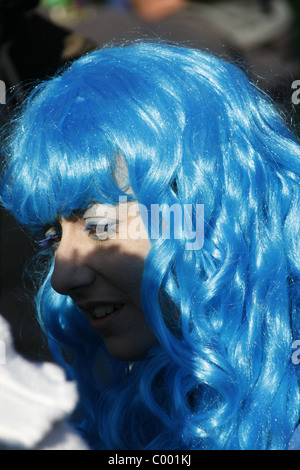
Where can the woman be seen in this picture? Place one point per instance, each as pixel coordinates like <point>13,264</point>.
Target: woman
<point>173,346</point>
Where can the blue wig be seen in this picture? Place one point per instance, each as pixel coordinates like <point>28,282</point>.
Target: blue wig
<point>192,129</point>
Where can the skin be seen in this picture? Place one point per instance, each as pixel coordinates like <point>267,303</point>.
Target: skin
<point>155,10</point>
<point>91,271</point>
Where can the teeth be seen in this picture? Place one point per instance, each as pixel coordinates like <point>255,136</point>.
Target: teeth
<point>100,312</point>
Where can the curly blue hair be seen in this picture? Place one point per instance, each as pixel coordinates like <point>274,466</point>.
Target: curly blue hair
<point>192,129</point>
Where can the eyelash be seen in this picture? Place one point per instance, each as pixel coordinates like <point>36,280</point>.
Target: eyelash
<point>49,241</point>
<point>55,234</point>
<point>94,229</point>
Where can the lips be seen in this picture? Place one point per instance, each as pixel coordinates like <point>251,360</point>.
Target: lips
<point>101,314</point>
<point>105,309</point>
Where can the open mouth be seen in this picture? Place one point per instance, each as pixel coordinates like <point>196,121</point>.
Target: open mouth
<point>103,315</point>
<point>105,310</point>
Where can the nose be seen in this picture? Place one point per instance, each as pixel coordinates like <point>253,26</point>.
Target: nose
<point>71,271</point>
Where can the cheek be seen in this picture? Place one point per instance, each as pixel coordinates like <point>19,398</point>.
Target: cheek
<point>129,274</point>
<point>123,268</point>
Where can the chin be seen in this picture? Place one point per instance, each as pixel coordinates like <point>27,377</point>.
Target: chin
<point>130,354</point>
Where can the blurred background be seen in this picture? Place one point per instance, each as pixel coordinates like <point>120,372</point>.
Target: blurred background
<point>38,37</point>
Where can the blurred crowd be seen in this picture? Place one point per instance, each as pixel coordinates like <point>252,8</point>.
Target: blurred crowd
<point>36,37</point>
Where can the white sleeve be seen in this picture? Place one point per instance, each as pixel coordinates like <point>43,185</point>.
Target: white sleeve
<point>36,401</point>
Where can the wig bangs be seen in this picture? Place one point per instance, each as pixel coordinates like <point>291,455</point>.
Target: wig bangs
<point>63,160</point>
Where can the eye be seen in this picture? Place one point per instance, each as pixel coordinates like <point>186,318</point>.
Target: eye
<point>51,238</point>
<point>101,230</point>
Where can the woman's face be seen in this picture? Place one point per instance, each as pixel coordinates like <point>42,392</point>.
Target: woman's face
<point>99,262</point>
